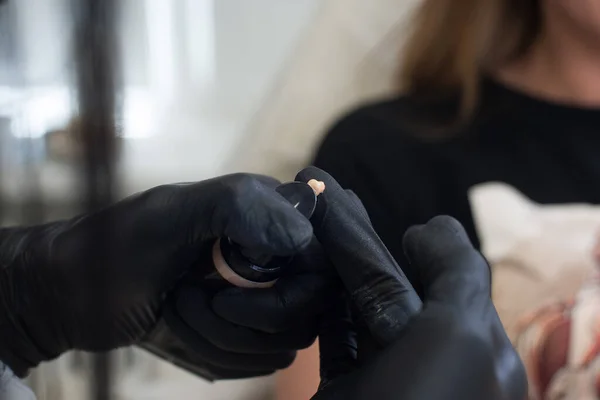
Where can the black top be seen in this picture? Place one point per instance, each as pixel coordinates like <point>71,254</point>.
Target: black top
<point>387,154</point>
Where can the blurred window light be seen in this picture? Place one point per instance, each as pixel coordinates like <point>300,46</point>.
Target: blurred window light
<point>141,116</point>
<point>161,38</point>
<point>181,45</point>
<point>181,58</point>
<point>34,112</point>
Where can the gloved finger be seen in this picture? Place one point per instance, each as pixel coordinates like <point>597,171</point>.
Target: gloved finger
<point>222,358</point>
<point>165,343</point>
<point>337,341</point>
<point>232,373</point>
<point>378,287</point>
<point>343,388</point>
<point>194,309</point>
<point>261,219</point>
<point>247,209</point>
<point>311,259</point>
<point>292,300</point>
<point>182,356</point>
<point>359,204</point>
<point>449,267</point>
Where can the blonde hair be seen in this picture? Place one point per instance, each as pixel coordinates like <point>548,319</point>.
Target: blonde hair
<point>453,42</point>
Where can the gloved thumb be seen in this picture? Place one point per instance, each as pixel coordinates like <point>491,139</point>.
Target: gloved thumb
<point>381,293</point>
<point>450,269</point>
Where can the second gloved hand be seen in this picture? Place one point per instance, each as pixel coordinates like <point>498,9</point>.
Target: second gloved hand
<point>99,281</point>
<point>383,343</point>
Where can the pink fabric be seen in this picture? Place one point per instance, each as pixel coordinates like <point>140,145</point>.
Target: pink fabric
<point>546,287</point>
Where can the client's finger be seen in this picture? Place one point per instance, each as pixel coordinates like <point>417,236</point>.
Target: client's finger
<point>380,290</point>
<point>449,267</point>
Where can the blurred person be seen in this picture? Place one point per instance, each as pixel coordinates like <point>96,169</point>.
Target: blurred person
<point>51,297</point>
<point>493,90</point>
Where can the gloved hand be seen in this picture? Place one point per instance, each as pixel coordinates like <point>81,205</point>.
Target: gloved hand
<point>11,388</point>
<point>389,345</point>
<point>98,282</point>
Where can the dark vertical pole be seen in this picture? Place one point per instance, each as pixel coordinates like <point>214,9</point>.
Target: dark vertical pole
<point>95,53</point>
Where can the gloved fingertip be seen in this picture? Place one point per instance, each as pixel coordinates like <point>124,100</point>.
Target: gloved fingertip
<point>305,236</point>
<point>353,195</point>
<point>287,359</point>
<point>309,173</point>
<point>441,236</point>
<point>224,299</point>
<point>284,239</point>
<point>244,307</point>
<point>299,238</point>
<point>410,242</point>
<point>450,226</point>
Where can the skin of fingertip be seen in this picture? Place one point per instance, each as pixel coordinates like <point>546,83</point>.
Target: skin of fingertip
<point>317,186</point>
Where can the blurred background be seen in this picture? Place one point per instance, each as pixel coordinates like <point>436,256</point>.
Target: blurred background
<point>208,87</point>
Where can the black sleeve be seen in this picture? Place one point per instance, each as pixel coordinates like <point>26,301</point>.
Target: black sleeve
<point>396,195</point>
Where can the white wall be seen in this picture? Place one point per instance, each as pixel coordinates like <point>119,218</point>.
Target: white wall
<point>253,40</point>
<point>348,56</point>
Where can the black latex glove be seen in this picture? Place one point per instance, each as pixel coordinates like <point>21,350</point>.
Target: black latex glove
<point>11,388</point>
<point>61,288</point>
<point>251,332</point>
<point>453,346</point>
